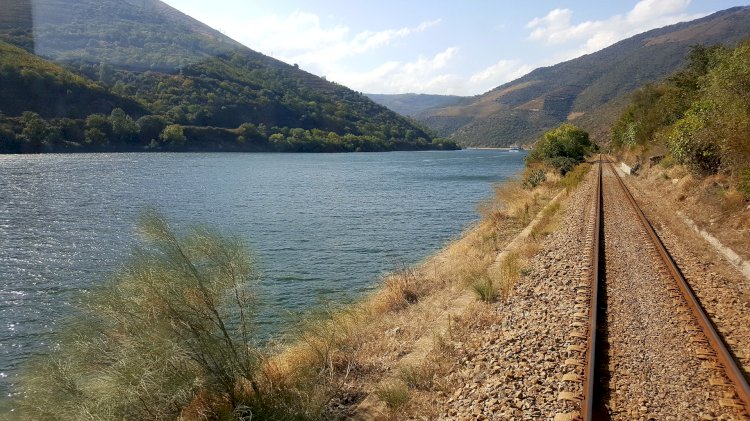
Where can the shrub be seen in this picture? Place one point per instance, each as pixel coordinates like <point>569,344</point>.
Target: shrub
<point>175,322</point>
<point>693,142</point>
<point>562,148</point>
<point>534,177</point>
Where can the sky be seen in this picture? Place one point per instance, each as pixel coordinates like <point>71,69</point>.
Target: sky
<point>437,47</point>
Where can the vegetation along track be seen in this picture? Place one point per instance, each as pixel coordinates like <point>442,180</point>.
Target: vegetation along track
<point>643,347</point>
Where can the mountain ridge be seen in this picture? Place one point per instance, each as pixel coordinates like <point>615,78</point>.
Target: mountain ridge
<point>189,74</point>
<point>520,110</point>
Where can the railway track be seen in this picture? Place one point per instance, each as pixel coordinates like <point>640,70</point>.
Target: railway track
<point>731,392</point>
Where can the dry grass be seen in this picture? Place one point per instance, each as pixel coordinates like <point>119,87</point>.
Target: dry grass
<point>574,177</point>
<point>713,202</point>
<point>400,289</point>
<point>394,393</point>
<point>419,377</point>
<point>547,223</point>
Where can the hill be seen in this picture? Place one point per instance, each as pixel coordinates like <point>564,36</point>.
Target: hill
<point>31,83</point>
<point>185,73</point>
<point>413,104</point>
<point>588,90</point>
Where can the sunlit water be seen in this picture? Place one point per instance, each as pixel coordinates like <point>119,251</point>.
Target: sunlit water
<point>323,227</point>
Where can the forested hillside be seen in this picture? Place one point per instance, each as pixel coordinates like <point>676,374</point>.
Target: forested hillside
<point>588,90</point>
<point>148,60</point>
<point>698,117</point>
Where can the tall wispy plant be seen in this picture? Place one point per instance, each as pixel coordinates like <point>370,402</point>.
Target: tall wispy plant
<point>172,330</point>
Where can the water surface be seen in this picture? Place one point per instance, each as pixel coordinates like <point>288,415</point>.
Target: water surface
<point>323,227</point>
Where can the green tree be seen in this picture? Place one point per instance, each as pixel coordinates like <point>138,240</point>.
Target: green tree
<point>248,131</point>
<point>174,135</point>
<point>100,122</point>
<point>561,148</point>
<point>728,90</point>
<point>94,136</point>
<point>70,130</point>
<point>34,129</point>
<point>692,140</point>
<point>124,128</point>
<point>150,127</point>
<point>106,74</point>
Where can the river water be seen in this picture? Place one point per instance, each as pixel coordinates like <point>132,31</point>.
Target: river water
<point>323,227</point>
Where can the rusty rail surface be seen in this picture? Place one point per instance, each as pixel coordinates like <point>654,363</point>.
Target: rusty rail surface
<point>733,372</point>
<point>587,405</point>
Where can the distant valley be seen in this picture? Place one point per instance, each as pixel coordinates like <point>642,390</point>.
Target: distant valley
<point>412,105</point>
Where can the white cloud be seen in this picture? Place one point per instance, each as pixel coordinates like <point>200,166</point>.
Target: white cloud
<point>556,28</point>
<point>320,45</point>
<point>429,75</point>
<point>497,74</point>
<point>425,74</point>
<point>302,38</point>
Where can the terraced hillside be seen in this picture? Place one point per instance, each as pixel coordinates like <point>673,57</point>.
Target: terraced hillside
<point>588,90</point>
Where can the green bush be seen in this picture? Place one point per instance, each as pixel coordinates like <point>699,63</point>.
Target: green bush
<point>561,148</point>
<point>173,134</point>
<point>693,142</point>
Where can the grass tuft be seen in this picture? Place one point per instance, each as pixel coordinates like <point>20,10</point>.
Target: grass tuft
<point>509,273</point>
<point>419,377</point>
<point>485,289</point>
<point>394,393</point>
<point>401,289</point>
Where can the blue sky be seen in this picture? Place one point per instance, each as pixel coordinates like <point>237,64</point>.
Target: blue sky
<point>440,47</point>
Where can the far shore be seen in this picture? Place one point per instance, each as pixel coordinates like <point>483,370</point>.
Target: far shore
<point>494,149</point>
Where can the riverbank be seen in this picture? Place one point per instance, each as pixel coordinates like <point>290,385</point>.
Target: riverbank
<point>394,353</point>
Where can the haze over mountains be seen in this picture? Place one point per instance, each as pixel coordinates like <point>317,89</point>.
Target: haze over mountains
<point>588,91</point>
<point>414,104</point>
<point>148,58</point>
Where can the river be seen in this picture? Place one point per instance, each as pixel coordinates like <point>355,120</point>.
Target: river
<point>323,227</point>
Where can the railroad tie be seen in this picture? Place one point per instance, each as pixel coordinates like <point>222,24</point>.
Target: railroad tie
<point>568,416</point>
<point>572,377</point>
<point>569,396</point>
<point>576,348</point>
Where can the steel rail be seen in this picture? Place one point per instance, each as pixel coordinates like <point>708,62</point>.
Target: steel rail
<point>733,371</point>
<point>587,404</point>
